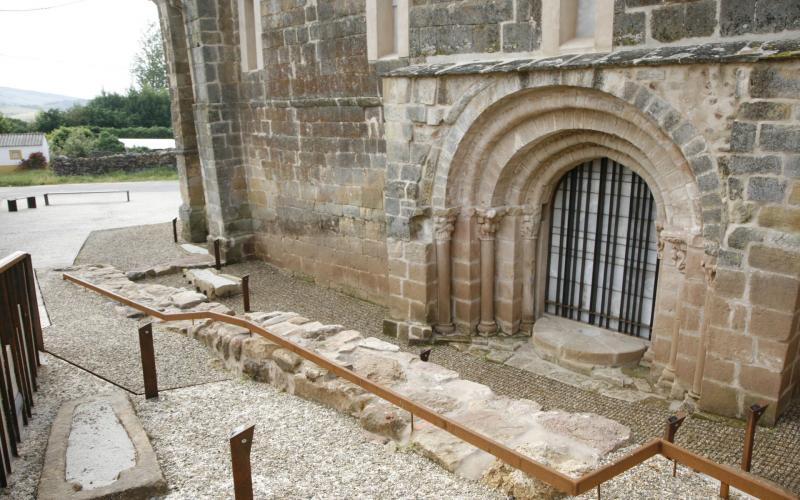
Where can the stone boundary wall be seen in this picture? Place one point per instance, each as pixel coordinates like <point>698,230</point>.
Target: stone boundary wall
<point>126,162</point>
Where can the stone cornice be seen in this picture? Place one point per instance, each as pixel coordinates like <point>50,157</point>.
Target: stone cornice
<point>717,52</point>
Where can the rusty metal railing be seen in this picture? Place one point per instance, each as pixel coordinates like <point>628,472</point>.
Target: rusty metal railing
<point>572,486</point>
<point>20,342</point>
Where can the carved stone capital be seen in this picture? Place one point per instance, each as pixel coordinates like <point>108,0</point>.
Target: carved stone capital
<point>710,269</point>
<point>530,224</point>
<point>489,221</point>
<point>444,222</point>
<point>678,243</point>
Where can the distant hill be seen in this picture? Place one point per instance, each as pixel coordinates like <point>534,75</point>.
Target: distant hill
<point>24,104</point>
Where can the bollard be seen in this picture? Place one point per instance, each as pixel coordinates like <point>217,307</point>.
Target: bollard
<point>148,361</point>
<point>175,229</point>
<point>246,292</point>
<point>31,202</point>
<point>128,195</point>
<point>217,260</point>
<point>46,200</point>
<point>674,423</point>
<point>241,441</point>
<point>12,205</point>
<point>756,411</point>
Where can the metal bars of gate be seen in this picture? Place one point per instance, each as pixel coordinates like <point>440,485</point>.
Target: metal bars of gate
<point>20,343</point>
<point>576,245</point>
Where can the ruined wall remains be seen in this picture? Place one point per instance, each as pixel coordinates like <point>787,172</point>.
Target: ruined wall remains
<point>125,162</point>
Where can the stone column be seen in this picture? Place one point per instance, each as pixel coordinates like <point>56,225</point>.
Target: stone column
<point>443,224</point>
<point>679,259</point>
<point>710,271</point>
<point>192,212</point>
<point>488,223</point>
<point>530,239</point>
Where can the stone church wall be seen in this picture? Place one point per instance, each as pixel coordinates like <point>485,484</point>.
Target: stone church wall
<point>344,170</point>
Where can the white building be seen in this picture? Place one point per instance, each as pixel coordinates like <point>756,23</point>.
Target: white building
<point>17,147</point>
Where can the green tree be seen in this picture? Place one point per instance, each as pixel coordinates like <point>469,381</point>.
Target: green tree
<point>10,125</point>
<point>79,143</point>
<point>47,121</point>
<point>149,67</point>
<point>107,143</point>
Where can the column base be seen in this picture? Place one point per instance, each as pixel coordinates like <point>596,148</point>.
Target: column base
<point>445,328</point>
<point>666,379</point>
<point>487,328</point>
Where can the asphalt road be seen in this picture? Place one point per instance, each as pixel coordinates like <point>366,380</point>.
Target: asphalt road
<point>54,234</point>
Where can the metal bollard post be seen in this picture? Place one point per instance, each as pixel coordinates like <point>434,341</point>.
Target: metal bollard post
<point>12,205</point>
<point>241,441</point>
<point>175,229</point>
<point>756,411</point>
<point>246,292</point>
<point>31,202</point>
<point>674,423</point>
<point>217,260</point>
<point>128,195</point>
<point>46,200</point>
<point>148,361</point>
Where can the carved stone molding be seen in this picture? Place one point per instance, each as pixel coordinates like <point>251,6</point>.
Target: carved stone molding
<point>444,222</point>
<point>678,250</point>
<point>489,221</point>
<point>710,269</point>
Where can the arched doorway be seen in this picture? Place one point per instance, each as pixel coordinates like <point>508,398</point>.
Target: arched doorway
<point>602,266</point>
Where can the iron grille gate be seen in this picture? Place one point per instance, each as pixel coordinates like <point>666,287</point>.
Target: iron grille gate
<point>603,263</point>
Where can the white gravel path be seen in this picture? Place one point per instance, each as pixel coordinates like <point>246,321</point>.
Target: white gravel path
<point>300,449</point>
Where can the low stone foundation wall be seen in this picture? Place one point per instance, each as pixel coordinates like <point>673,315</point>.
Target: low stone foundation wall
<point>573,443</point>
<point>127,162</point>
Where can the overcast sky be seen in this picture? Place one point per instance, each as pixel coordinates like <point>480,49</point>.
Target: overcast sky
<point>76,48</point>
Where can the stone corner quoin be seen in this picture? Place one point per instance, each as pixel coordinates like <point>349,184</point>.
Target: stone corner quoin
<point>435,182</point>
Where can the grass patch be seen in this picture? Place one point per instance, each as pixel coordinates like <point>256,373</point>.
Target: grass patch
<point>40,177</point>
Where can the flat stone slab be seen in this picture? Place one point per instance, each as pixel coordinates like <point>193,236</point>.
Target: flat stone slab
<point>98,449</point>
<point>565,341</point>
<point>213,283</point>
<point>194,249</point>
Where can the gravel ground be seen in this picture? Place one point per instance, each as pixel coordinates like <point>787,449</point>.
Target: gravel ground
<point>58,382</point>
<point>300,449</point>
<point>108,345</point>
<point>775,455</point>
<point>153,245</point>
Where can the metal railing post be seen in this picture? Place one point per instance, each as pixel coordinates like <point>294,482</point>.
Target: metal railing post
<point>148,361</point>
<point>128,195</point>
<point>241,441</point>
<point>46,200</point>
<point>755,413</point>
<point>674,423</point>
<point>175,229</point>
<point>246,292</point>
<point>217,259</point>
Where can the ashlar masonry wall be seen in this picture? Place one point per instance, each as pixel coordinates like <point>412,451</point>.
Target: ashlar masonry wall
<point>726,181</point>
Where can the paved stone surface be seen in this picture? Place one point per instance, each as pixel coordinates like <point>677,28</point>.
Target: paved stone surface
<point>54,234</point>
<point>718,439</point>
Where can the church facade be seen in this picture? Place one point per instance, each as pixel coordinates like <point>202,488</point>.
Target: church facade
<point>478,165</point>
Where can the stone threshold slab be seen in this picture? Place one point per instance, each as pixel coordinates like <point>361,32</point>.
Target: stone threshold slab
<point>98,441</point>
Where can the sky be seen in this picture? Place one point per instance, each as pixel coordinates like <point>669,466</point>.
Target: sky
<point>76,48</point>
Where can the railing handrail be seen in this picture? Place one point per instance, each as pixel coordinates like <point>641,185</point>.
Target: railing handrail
<point>738,479</point>
<point>11,260</point>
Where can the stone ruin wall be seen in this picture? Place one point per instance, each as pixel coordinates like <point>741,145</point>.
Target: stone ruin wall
<point>318,164</point>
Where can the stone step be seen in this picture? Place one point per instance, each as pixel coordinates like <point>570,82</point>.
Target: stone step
<point>98,449</point>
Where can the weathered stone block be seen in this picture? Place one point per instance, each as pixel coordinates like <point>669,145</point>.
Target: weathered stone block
<point>768,189</point>
<point>769,81</point>
<point>771,325</point>
<point>741,236</point>
<point>754,165</point>
<point>775,260</point>
<point>780,138</point>
<point>764,110</point>
<point>774,291</point>
<point>743,137</point>
<point>782,218</point>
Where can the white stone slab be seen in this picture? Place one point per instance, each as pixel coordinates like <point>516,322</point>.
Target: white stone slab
<point>194,249</point>
<point>98,448</point>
